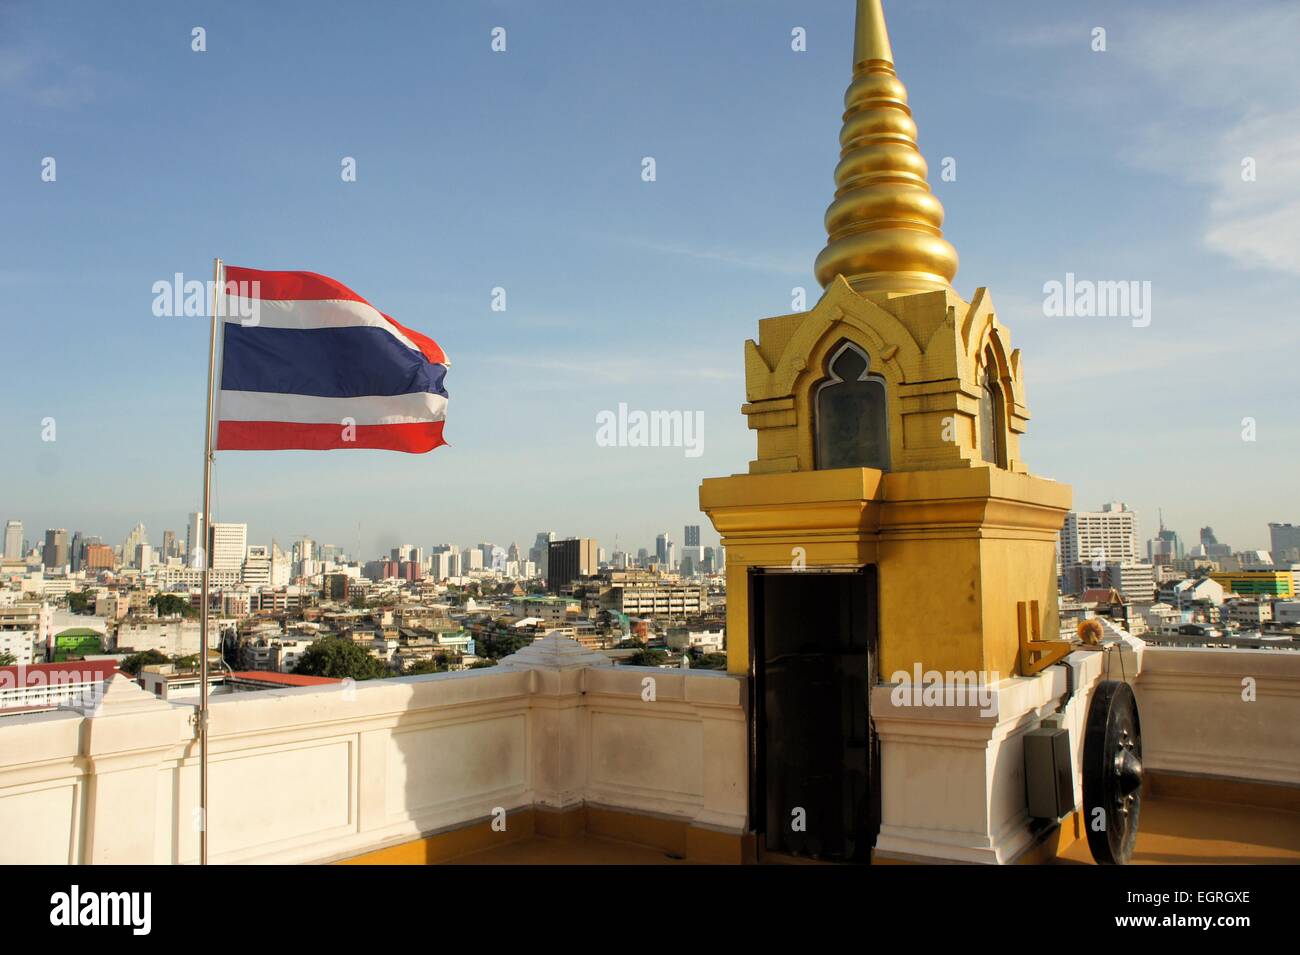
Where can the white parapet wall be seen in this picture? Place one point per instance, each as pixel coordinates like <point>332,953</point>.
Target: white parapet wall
<point>952,772</point>
<point>952,764</point>
<point>322,773</point>
<point>1227,713</point>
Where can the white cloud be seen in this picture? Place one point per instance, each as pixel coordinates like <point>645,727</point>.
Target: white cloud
<point>1228,76</point>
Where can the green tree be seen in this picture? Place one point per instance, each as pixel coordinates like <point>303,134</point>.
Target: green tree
<point>497,644</point>
<point>133,664</point>
<point>438,664</point>
<point>7,659</point>
<point>481,664</point>
<point>171,605</point>
<point>340,658</point>
<point>710,661</point>
<point>647,658</point>
<point>82,602</point>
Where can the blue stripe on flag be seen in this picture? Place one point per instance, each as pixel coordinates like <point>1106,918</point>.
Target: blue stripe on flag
<point>344,362</point>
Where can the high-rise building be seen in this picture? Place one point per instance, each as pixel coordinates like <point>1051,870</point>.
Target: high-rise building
<point>569,560</point>
<point>336,587</point>
<point>257,566</point>
<point>281,567</point>
<point>1284,543</point>
<point>662,543</point>
<point>304,550</point>
<point>494,557</point>
<point>539,553</point>
<point>1210,546</point>
<point>97,557</point>
<point>1100,537</point>
<point>134,539</point>
<point>55,554</point>
<point>229,546</point>
<point>144,557</point>
<point>1165,547</point>
<point>442,564</point>
<point>74,551</point>
<point>168,545</point>
<point>13,540</point>
<point>194,539</point>
<point>692,549</point>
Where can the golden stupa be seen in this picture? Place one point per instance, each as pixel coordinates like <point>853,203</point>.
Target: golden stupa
<point>888,421</point>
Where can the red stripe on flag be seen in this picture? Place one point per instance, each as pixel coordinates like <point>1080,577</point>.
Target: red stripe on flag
<point>312,287</point>
<point>414,438</point>
<point>290,286</point>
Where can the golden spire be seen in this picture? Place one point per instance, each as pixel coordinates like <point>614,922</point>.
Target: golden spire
<point>884,226</point>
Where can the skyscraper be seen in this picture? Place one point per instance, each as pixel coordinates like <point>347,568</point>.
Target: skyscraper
<point>305,549</point>
<point>229,546</point>
<point>662,544</point>
<point>134,539</point>
<point>570,560</point>
<point>13,540</point>
<point>194,539</point>
<point>1284,543</point>
<point>692,548</point>
<point>257,566</point>
<point>1102,537</point>
<point>539,553</point>
<point>1165,547</point>
<point>55,554</point>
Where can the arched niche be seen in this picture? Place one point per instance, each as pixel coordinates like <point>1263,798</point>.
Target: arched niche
<point>851,413</point>
<point>993,412</point>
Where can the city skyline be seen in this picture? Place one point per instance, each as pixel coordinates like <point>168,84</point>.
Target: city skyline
<point>1145,530</point>
<point>1116,405</point>
<point>611,545</point>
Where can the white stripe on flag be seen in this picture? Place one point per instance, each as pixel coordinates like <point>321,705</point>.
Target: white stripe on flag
<point>307,314</point>
<point>311,409</point>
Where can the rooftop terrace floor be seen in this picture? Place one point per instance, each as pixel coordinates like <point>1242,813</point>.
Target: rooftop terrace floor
<point>1172,832</point>
<point>1192,832</point>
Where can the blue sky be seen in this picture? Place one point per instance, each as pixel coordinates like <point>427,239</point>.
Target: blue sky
<point>522,169</point>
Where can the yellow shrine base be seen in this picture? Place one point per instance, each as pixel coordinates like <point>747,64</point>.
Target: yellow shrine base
<point>957,551</point>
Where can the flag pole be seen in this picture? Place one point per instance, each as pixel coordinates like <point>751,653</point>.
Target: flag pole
<point>207,570</point>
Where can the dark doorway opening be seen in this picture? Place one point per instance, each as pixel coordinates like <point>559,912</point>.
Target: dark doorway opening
<point>815,787</point>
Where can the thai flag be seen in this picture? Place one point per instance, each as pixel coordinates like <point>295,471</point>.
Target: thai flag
<point>307,363</point>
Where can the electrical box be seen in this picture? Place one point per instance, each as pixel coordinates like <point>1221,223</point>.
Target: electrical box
<point>1049,770</point>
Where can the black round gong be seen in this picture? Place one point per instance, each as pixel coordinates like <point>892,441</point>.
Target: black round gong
<point>1112,773</point>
